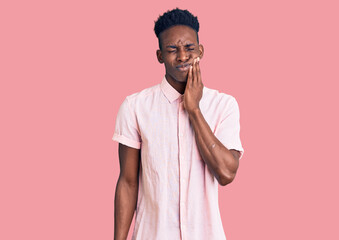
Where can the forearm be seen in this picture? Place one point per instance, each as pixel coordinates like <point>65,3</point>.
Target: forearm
<point>218,158</point>
<point>126,196</point>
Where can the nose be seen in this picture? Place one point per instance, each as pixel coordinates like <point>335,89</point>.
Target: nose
<point>182,55</point>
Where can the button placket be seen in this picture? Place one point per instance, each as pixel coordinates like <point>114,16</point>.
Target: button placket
<point>182,166</point>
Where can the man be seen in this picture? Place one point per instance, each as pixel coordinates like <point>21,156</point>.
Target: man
<point>177,141</point>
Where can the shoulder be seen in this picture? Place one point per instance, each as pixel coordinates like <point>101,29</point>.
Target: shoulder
<point>130,106</point>
<point>141,96</point>
<point>215,97</point>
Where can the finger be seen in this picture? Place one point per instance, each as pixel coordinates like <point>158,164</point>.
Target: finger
<point>189,78</point>
<point>195,72</point>
<point>198,73</point>
<point>192,72</point>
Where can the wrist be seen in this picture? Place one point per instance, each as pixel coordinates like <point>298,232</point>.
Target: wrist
<point>193,113</point>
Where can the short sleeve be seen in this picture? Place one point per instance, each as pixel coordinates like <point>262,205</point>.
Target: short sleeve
<point>126,127</point>
<point>228,130</point>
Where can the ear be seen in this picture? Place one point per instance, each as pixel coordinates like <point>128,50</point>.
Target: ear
<point>159,56</point>
<point>201,51</point>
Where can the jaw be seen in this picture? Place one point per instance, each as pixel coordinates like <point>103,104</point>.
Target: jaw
<point>178,78</point>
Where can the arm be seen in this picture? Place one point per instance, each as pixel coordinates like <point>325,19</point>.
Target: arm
<point>126,193</point>
<point>221,161</point>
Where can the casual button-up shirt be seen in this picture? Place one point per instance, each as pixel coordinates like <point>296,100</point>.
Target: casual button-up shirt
<point>178,194</point>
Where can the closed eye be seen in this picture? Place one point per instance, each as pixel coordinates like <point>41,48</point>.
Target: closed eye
<point>189,49</point>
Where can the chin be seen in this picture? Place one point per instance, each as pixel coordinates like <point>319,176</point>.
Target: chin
<point>181,79</point>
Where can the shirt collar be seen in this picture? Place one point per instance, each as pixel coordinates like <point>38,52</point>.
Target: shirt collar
<point>170,93</point>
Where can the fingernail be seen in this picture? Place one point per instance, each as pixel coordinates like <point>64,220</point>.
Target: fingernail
<point>198,59</point>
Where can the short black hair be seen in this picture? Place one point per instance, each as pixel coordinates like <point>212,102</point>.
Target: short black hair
<point>175,17</point>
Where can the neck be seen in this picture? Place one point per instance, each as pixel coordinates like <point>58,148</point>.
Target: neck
<point>179,86</point>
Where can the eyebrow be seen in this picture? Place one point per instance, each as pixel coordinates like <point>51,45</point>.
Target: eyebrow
<point>187,45</point>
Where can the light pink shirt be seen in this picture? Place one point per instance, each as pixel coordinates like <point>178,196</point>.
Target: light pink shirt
<point>178,194</point>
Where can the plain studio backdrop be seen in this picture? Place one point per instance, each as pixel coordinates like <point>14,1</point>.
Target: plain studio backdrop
<point>66,66</point>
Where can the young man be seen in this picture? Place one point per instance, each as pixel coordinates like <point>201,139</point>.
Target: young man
<point>177,141</point>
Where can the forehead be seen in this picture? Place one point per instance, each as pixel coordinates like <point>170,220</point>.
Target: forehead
<point>179,34</point>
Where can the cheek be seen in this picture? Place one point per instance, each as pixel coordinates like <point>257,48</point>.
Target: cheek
<point>168,66</point>
<point>169,62</point>
<point>196,53</point>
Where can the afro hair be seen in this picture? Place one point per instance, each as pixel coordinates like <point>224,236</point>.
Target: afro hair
<point>175,17</point>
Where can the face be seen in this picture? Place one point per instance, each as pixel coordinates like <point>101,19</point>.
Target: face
<point>179,49</point>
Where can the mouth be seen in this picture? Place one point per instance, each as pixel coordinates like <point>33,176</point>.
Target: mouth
<point>183,67</point>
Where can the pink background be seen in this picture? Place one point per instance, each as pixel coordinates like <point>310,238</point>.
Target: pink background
<point>66,67</point>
